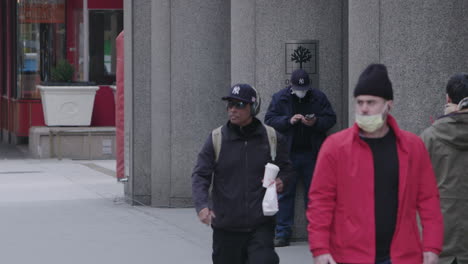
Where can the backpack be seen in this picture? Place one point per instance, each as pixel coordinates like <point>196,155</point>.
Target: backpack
<point>216,137</point>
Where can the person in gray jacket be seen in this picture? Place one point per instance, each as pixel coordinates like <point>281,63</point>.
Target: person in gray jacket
<point>447,143</point>
<point>241,233</point>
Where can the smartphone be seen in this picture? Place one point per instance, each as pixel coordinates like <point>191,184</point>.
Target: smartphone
<point>309,116</point>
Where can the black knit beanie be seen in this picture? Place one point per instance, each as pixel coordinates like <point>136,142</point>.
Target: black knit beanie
<point>374,81</point>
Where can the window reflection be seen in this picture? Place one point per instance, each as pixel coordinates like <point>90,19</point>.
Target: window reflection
<point>105,25</point>
<point>40,42</point>
<point>3,48</point>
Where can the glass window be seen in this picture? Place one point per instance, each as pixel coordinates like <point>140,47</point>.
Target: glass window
<point>104,26</point>
<point>6,17</point>
<point>78,45</point>
<point>40,42</point>
<point>3,40</point>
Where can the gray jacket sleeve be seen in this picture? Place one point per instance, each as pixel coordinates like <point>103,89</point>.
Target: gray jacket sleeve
<point>202,175</point>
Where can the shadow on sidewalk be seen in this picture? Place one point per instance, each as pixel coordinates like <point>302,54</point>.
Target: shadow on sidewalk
<point>10,151</point>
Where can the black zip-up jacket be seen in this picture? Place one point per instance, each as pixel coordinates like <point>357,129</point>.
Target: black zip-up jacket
<point>237,192</point>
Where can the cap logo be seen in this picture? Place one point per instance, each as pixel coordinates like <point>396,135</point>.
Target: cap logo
<point>235,90</point>
<point>301,81</point>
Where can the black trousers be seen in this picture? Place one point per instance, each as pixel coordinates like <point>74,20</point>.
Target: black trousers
<point>255,247</point>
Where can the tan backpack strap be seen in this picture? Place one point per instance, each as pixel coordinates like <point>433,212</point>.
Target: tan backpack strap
<point>271,133</point>
<point>216,137</point>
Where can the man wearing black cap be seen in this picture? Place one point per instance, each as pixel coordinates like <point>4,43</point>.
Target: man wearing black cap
<point>303,115</point>
<point>234,163</point>
<point>370,182</point>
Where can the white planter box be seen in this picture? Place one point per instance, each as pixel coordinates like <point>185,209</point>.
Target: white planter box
<point>68,105</point>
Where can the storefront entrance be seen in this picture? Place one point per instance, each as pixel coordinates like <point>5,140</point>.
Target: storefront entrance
<point>37,34</point>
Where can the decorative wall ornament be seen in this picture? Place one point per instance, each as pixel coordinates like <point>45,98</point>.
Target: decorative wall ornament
<point>302,54</point>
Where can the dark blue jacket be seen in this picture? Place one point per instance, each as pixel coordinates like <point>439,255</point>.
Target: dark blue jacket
<point>280,111</point>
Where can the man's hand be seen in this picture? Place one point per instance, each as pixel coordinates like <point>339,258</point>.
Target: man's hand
<point>296,118</point>
<point>279,185</point>
<point>205,215</point>
<point>430,258</point>
<point>324,259</point>
<point>309,122</point>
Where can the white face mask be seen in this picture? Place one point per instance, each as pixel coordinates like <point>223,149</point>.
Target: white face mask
<point>370,123</point>
<point>300,94</point>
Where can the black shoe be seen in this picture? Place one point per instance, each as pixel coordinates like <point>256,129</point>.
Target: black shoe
<point>281,242</point>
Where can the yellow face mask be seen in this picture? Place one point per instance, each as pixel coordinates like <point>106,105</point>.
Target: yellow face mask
<point>371,123</point>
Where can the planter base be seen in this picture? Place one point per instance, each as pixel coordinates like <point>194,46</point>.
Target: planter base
<point>93,143</point>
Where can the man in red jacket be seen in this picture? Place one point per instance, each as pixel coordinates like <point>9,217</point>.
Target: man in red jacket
<point>370,182</point>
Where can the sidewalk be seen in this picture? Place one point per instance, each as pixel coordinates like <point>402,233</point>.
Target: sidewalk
<point>74,212</point>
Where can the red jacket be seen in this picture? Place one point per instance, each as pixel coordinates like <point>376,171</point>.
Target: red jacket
<point>341,208</point>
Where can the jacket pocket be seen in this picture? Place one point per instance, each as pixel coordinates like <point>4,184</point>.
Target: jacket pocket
<point>345,232</point>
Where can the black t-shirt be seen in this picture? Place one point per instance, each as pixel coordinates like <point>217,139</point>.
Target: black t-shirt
<point>301,140</point>
<point>384,152</point>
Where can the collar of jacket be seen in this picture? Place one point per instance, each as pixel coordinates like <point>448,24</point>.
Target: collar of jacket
<point>391,121</point>
<point>454,113</point>
<point>232,134</point>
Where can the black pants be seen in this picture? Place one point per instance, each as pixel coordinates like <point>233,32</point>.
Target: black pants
<point>254,247</point>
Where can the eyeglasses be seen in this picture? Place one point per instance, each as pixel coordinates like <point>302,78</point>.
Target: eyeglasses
<point>237,105</point>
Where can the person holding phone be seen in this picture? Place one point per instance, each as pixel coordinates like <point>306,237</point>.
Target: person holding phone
<point>303,115</point>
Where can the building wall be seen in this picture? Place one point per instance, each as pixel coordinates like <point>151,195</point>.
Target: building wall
<point>279,21</point>
<point>178,72</point>
<point>161,107</point>
<point>200,67</point>
<point>138,115</point>
<point>259,31</point>
<point>185,55</point>
<point>421,42</point>
<point>181,56</point>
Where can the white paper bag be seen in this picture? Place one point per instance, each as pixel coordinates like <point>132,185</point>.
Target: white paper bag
<point>270,201</point>
<point>269,176</point>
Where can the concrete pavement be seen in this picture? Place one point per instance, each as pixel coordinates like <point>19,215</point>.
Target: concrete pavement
<point>70,212</point>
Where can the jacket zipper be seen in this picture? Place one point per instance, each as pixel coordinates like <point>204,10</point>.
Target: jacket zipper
<point>301,126</point>
<point>246,205</point>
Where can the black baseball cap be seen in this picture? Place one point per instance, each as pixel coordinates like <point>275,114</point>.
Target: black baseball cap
<point>300,80</point>
<point>242,92</point>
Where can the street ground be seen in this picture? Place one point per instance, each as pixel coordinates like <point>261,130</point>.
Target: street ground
<point>73,211</point>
